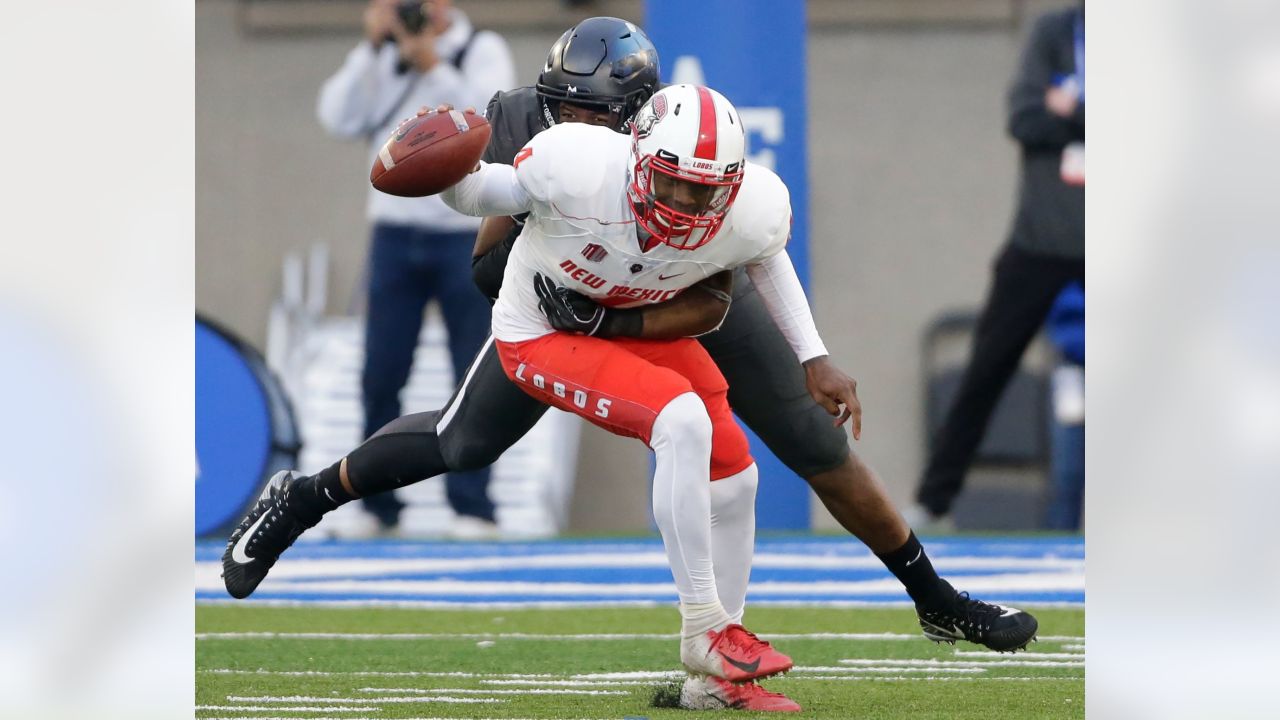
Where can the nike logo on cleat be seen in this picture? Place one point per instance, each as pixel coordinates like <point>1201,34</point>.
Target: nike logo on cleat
<point>744,667</point>
<point>237,552</point>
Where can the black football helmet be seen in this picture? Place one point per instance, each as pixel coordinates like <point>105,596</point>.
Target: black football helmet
<point>602,62</point>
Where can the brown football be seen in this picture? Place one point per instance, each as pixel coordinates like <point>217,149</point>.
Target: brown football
<point>429,153</point>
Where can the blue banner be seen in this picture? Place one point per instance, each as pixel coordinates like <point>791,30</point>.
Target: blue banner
<point>233,430</point>
<point>753,52</point>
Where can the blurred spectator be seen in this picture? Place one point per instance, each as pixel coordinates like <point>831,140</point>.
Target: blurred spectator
<point>1045,251</point>
<point>1066,470</point>
<point>415,54</point>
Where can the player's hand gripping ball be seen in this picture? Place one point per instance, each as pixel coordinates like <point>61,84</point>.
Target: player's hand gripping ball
<point>430,152</point>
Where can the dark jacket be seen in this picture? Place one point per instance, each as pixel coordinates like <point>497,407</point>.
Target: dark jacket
<point>1050,215</point>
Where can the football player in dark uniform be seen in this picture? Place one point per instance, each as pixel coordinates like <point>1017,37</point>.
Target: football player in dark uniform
<point>601,71</point>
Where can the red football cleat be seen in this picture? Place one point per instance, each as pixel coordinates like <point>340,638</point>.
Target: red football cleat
<point>712,693</point>
<point>734,654</point>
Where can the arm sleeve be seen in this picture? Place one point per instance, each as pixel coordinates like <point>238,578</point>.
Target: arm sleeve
<point>776,281</point>
<point>491,190</point>
<point>487,270</point>
<point>1030,122</point>
<point>349,98</point>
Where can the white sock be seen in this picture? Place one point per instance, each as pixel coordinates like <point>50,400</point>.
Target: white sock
<point>733,537</point>
<point>697,618</point>
<point>681,442</point>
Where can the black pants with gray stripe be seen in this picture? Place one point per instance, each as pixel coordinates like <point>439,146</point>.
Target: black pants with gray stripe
<point>488,413</point>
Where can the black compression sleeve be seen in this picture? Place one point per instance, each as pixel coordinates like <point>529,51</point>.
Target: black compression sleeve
<point>487,269</point>
<point>403,452</point>
<point>622,323</point>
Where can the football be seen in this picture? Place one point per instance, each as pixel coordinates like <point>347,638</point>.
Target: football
<point>429,153</point>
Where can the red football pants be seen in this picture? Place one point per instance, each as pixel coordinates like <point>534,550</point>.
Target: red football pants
<point>621,384</point>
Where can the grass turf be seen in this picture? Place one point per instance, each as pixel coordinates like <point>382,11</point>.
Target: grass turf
<point>232,670</point>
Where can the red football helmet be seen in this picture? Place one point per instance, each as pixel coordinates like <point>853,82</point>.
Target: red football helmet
<point>689,150</point>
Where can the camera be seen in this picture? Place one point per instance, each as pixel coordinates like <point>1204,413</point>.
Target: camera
<point>416,18</point>
<point>413,14</point>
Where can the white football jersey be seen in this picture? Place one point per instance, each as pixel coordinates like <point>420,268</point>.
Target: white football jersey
<point>581,232</point>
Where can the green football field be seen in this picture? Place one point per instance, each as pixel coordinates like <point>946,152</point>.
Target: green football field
<point>872,663</point>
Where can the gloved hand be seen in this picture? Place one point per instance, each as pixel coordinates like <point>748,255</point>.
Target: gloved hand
<point>571,311</point>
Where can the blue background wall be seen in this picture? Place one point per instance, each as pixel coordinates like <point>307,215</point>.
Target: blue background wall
<point>752,51</point>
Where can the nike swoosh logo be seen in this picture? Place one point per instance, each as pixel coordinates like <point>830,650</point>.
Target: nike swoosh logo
<point>668,277</point>
<point>744,667</point>
<point>917,557</point>
<point>952,630</point>
<point>1009,611</point>
<point>237,552</point>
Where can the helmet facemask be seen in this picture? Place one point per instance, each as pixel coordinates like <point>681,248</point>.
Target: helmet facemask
<point>682,201</point>
<point>583,109</point>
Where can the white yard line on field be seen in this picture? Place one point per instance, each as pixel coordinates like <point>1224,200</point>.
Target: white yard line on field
<point>561,636</point>
<point>991,584</point>
<point>287,708</point>
<point>359,701</point>
<point>874,662</point>
<point>936,678</point>
<point>629,675</point>
<point>404,604</point>
<point>493,691</point>
<point>207,572</point>
<point>433,636</point>
<point>642,676</point>
<point>353,673</point>
<point>1021,655</point>
<point>567,683</point>
<point>479,605</point>
<point>825,671</point>
<point>820,670</point>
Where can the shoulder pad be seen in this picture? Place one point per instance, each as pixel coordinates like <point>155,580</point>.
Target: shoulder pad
<point>571,161</point>
<point>761,214</point>
<point>513,118</point>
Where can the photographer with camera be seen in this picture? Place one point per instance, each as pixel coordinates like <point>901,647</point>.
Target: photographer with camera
<point>416,53</point>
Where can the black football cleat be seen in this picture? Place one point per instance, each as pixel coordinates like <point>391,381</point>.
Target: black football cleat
<point>269,528</point>
<point>998,628</point>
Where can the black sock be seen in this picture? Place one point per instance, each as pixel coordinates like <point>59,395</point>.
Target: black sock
<point>316,495</point>
<point>912,567</point>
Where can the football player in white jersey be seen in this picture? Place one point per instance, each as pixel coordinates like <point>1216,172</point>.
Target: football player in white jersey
<point>632,221</point>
